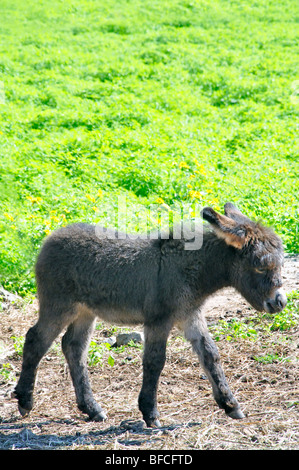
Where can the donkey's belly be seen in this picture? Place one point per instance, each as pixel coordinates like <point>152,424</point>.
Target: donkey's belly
<point>119,316</point>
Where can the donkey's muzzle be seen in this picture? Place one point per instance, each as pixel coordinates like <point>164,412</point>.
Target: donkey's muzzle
<point>276,304</point>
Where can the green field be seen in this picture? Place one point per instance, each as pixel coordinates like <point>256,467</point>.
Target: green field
<point>177,101</point>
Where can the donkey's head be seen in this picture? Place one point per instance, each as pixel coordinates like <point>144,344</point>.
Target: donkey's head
<point>257,258</point>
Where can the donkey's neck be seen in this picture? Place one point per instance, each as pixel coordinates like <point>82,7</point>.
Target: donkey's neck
<point>216,260</point>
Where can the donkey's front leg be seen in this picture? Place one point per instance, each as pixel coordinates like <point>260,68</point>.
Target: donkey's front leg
<point>155,339</point>
<point>196,332</point>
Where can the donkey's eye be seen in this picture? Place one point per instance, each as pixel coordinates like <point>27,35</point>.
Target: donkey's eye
<point>260,270</point>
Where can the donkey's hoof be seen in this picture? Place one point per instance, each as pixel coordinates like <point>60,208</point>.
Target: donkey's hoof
<point>153,423</point>
<point>23,411</point>
<point>236,414</point>
<point>99,417</point>
<point>26,406</point>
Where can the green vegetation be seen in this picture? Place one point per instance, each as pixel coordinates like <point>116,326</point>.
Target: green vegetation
<point>6,373</point>
<point>289,317</point>
<point>18,344</point>
<point>233,330</point>
<point>271,358</point>
<point>182,101</point>
<point>102,353</point>
<point>257,325</point>
<point>96,354</point>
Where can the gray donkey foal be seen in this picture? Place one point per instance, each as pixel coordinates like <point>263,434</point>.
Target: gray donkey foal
<point>158,283</point>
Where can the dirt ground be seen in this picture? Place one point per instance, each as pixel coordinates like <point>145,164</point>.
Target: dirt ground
<point>190,419</point>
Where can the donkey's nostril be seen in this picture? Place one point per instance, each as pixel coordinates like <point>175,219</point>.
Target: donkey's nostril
<point>277,303</point>
<point>281,300</point>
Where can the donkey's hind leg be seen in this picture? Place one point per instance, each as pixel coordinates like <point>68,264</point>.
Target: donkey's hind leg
<point>38,339</point>
<point>75,344</point>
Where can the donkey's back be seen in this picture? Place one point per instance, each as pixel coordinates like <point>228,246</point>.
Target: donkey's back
<point>112,276</point>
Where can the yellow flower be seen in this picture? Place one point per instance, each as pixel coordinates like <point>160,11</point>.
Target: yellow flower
<point>184,165</point>
<point>47,231</point>
<point>282,170</point>
<point>95,209</point>
<point>215,204</point>
<point>8,216</point>
<point>55,218</point>
<point>159,200</point>
<point>34,199</point>
<point>195,194</point>
<point>91,198</point>
<point>200,168</point>
<point>215,201</point>
<point>100,193</point>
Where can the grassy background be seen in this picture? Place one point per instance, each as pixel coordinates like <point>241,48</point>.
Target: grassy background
<point>181,100</point>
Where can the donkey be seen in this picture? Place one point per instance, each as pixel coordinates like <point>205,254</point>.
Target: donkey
<point>155,282</point>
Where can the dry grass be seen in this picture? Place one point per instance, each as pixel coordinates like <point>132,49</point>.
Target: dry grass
<point>190,418</point>
<point>268,394</point>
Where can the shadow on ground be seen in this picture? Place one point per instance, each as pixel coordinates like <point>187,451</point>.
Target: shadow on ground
<point>128,433</point>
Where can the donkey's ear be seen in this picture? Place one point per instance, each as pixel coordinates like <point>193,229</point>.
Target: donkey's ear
<point>231,211</point>
<point>209,215</point>
<point>218,220</point>
<point>225,227</point>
